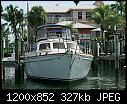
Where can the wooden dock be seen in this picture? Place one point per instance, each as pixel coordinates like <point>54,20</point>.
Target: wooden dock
<point>110,57</point>
<point>9,63</point>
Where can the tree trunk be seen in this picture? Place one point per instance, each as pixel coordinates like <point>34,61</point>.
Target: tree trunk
<point>16,46</point>
<point>16,51</point>
<point>17,70</point>
<point>22,49</point>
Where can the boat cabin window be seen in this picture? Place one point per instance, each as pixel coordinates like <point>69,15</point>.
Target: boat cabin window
<point>58,45</point>
<point>70,45</point>
<point>44,46</point>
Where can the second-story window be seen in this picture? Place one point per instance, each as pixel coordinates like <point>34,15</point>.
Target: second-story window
<point>88,15</point>
<point>79,15</point>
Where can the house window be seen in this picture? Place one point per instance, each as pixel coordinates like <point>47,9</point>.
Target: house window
<point>88,15</point>
<point>87,36</point>
<point>57,16</point>
<point>79,15</point>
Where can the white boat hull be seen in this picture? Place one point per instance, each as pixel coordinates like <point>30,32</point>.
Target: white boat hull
<point>65,66</point>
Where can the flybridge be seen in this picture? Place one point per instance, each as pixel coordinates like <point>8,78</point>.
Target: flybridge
<point>52,31</point>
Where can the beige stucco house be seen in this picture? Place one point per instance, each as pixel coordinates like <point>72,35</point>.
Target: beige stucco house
<point>60,13</point>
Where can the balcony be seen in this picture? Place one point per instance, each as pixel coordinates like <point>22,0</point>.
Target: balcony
<point>59,19</point>
<point>53,20</point>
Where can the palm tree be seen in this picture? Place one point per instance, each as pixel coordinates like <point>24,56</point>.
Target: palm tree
<point>37,16</point>
<point>73,30</point>
<point>14,16</point>
<point>5,33</point>
<point>23,35</point>
<point>70,26</point>
<point>121,9</point>
<point>101,16</point>
<point>118,17</point>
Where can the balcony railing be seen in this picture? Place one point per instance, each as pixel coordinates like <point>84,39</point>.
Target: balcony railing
<point>59,19</point>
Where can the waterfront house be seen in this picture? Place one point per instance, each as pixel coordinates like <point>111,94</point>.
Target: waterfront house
<point>60,13</point>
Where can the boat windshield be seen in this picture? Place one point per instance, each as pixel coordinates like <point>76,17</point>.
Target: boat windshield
<point>53,32</point>
<point>44,46</point>
<point>58,46</point>
<point>41,34</point>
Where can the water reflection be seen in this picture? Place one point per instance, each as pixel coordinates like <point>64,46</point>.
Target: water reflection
<point>103,79</point>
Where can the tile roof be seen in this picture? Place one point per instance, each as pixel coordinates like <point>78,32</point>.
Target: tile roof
<point>55,9</point>
<point>77,25</point>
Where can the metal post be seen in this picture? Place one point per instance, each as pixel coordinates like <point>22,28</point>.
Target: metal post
<point>27,22</point>
<point>120,46</point>
<point>98,47</point>
<point>92,46</point>
<point>22,45</point>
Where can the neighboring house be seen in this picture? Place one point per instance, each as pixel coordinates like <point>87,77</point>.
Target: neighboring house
<point>96,33</point>
<point>60,13</point>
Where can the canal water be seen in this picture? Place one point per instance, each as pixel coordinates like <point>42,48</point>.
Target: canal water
<point>102,77</point>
